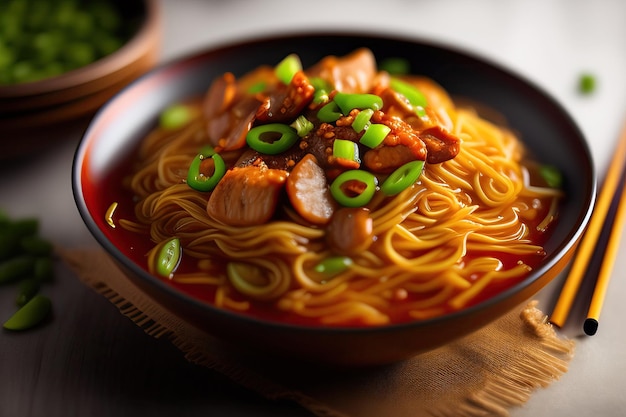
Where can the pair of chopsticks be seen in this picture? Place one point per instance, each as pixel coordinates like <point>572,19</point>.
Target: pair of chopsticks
<point>610,211</point>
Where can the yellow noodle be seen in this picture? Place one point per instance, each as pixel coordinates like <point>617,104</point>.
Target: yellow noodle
<point>476,204</point>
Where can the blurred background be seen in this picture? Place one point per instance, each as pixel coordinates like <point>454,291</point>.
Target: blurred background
<point>552,43</point>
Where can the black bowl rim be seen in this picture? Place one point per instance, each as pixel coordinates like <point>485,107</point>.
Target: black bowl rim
<point>563,248</point>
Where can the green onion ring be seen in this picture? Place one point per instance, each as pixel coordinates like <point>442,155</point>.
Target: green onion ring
<point>402,178</point>
<point>257,135</point>
<point>364,177</point>
<point>200,182</point>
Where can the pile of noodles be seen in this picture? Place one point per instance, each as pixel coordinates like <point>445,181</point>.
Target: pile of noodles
<point>465,226</point>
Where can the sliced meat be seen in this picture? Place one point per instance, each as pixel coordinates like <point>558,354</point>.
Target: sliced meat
<point>308,191</point>
<point>220,95</point>
<point>285,161</point>
<point>286,103</point>
<point>229,114</point>
<point>385,159</point>
<point>353,73</point>
<point>246,196</point>
<point>350,231</point>
<point>227,131</point>
<point>441,144</point>
<point>403,144</point>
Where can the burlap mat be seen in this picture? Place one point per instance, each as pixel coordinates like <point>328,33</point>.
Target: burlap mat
<point>484,374</point>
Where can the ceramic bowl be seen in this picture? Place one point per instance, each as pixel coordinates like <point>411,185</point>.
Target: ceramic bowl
<point>117,128</point>
<point>39,112</point>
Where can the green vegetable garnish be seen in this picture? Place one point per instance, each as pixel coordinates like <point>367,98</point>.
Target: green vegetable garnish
<point>586,83</point>
<point>30,315</point>
<point>272,138</point>
<point>175,117</point>
<point>395,66</point>
<point>402,178</point>
<point>302,125</point>
<point>333,265</point>
<point>287,68</point>
<point>551,175</point>
<point>329,113</point>
<point>374,135</point>
<point>347,102</point>
<point>362,120</point>
<point>168,258</point>
<point>354,188</point>
<point>200,181</point>
<point>346,149</point>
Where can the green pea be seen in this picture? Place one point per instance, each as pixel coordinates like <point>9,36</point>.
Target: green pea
<point>30,315</point>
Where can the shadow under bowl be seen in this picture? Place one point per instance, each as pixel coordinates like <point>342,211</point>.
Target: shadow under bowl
<point>544,126</point>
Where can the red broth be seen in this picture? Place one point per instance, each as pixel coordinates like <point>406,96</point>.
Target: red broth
<point>103,191</point>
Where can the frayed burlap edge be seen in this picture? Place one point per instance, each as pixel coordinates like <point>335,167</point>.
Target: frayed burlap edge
<point>541,365</point>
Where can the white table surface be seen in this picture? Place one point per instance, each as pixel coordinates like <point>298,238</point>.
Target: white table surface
<point>549,42</point>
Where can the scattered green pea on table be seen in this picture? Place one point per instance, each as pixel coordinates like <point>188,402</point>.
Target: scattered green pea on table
<point>41,39</point>
<point>25,263</point>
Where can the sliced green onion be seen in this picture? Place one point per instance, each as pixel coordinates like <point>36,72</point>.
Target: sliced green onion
<point>16,268</point>
<point>257,87</point>
<point>415,97</point>
<point>28,288</point>
<point>175,117</point>
<point>200,182</point>
<point>272,138</point>
<point>333,265</point>
<point>288,67</point>
<point>346,149</point>
<point>374,135</point>
<point>329,113</point>
<point>347,101</point>
<point>402,178</point>
<point>43,270</point>
<point>586,83</point>
<point>551,175</point>
<point>362,120</point>
<point>395,66</point>
<point>168,258</point>
<point>35,245</point>
<point>322,89</point>
<point>302,125</point>
<point>349,196</point>
<point>30,315</point>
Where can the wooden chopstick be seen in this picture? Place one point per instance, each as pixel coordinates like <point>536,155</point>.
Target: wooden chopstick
<point>588,245</point>
<point>590,325</point>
